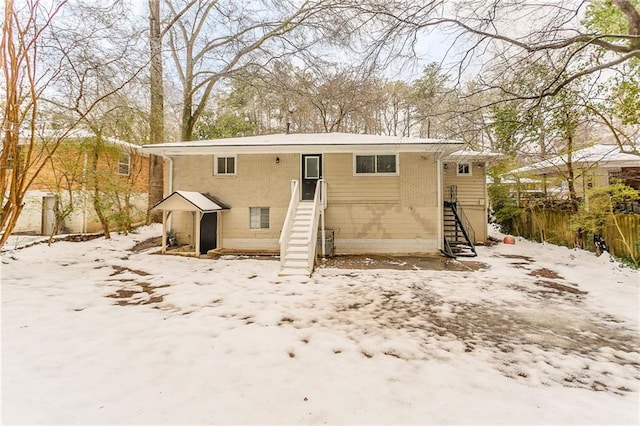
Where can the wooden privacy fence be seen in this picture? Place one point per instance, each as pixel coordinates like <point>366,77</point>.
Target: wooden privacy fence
<point>556,227</point>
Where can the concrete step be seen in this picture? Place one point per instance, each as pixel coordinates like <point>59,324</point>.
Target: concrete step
<point>297,248</point>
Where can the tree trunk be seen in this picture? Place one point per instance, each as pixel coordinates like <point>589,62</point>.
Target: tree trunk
<point>97,196</point>
<point>156,118</point>
<point>573,198</point>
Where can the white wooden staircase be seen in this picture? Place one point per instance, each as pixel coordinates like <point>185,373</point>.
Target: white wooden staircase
<point>298,255</point>
<point>300,232</point>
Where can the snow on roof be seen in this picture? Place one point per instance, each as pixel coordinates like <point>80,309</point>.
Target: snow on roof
<point>85,134</point>
<point>297,141</point>
<point>190,201</point>
<point>514,181</point>
<point>470,154</point>
<point>600,154</point>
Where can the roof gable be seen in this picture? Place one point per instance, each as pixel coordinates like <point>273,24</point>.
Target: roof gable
<point>191,201</point>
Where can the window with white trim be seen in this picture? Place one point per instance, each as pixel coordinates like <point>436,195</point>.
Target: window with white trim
<point>464,169</point>
<point>259,217</point>
<point>224,165</point>
<point>376,164</point>
<point>124,164</point>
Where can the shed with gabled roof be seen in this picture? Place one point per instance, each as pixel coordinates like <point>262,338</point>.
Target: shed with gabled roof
<point>203,207</point>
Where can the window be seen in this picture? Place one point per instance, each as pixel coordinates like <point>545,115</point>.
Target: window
<point>464,169</point>
<point>124,164</point>
<point>376,164</point>
<point>259,217</point>
<point>225,166</point>
<point>312,167</point>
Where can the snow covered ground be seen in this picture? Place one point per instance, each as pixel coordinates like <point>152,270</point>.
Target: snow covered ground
<point>93,332</point>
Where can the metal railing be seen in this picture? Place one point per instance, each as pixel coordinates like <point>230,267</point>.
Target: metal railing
<point>453,194</point>
<point>465,223</point>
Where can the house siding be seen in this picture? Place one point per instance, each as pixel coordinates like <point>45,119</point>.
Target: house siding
<point>259,182</point>
<point>63,176</point>
<point>346,188</point>
<point>368,214</point>
<point>471,194</point>
<point>394,214</point>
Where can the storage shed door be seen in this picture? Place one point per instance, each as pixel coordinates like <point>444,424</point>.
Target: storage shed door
<point>208,232</point>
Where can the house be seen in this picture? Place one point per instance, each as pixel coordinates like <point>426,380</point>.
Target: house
<point>355,193</point>
<point>61,197</point>
<point>593,167</point>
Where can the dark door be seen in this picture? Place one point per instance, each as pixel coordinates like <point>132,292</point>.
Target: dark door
<point>208,232</point>
<point>311,173</point>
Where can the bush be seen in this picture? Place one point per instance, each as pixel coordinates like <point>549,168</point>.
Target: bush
<point>504,212</point>
<point>601,208</point>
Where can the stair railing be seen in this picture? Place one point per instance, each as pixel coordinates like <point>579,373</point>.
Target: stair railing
<point>315,219</point>
<point>467,229</point>
<point>453,194</point>
<point>288,220</point>
<point>323,202</point>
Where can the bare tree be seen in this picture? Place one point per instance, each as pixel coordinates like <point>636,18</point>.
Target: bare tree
<point>214,40</point>
<point>83,66</point>
<point>156,115</point>
<point>575,41</point>
<point>341,99</point>
<point>329,100</point>
<point>96,69</point>
<point>21,158</point>
<point>516,31</point>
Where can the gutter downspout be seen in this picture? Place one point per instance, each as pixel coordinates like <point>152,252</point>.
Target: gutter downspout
<point>84,193</point>
<point>170,187</point>
<point>170,173</point>
<point>439,214</point>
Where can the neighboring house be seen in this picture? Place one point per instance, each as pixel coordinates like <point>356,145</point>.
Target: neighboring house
<point>593,167</point>
<point>365,194</point>
<point>521,190</point>
<point>62,194</point>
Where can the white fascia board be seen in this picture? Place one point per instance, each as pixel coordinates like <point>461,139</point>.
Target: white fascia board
<point>194,149</point>
<point>562,168</point>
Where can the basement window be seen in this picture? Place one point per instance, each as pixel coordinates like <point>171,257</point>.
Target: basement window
<point>259,217</point>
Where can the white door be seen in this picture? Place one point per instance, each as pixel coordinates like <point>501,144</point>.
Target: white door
<point>48,214</point>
